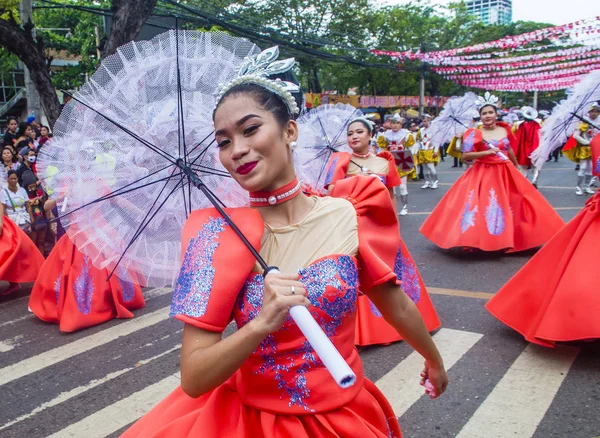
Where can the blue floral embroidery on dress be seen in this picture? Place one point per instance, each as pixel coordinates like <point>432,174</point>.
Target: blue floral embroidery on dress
<point>341,275</point>
<point>317,277</point>
<point>407,273</point>
<point>127,290</point>
<point>192,290</point>
<point>468,217</point>
<point>374,310</point>
<point>469,142</point>
<point>494,215</point>
<point>84,288</point>
<point>330,171</point>
<point>57,284</point>
<point>597,166</point>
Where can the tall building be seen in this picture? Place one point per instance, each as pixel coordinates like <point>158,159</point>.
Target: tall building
<point>491,11</point>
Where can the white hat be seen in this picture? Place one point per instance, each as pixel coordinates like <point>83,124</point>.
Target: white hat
<point>529,113</point>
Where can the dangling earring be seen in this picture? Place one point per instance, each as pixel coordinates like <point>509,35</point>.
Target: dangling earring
<point>293,145</point>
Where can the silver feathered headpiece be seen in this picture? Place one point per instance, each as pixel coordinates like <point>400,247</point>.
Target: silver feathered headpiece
<point>256,69</point>
<point>365,121</point>
<point>487,99</point>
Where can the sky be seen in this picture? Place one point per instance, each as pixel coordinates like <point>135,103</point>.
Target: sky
<point>546,11</point>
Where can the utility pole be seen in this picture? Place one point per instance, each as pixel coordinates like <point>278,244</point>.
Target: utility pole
<point>33,98</point>
<point>422,92</point>
<point>535,99</point>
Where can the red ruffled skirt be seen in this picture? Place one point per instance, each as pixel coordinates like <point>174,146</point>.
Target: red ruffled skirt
<point>492,207</point>
<point>372,329</point>
<point>73,293</point>
<point>20,260</point>
<point>221,413</point>
<point>555,297</point>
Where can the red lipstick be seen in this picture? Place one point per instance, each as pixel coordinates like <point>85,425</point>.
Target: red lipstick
<point>246,168</point>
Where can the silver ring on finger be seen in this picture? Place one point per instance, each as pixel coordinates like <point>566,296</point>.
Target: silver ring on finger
<point>293,290</point>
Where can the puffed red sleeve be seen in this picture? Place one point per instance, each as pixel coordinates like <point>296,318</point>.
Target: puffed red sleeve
<point>392,179</point>
<point>215,266</point>
<point>337,168</point>
<point>595,145</point>
<point>472,140</point>
<point>378,230</point>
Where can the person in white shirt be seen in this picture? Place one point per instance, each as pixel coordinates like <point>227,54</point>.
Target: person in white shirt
<point>429,155</point>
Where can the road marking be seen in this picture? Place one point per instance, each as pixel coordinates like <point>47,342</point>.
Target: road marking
<point>64,396</point>
<point>460,293</point>
<point>50,357</point>
<point>518,403</point>
<point>401,385</point>
<point>120,414</point>
<point>21,318</point>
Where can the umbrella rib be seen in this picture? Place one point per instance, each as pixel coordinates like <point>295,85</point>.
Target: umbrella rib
<point>114,195</point>
<point>149,145</point>
<point>143,225</point>
<point>180,122</point>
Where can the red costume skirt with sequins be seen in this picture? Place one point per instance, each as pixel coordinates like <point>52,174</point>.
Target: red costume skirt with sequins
<point>492,207</point>
<point>372,329</point>
<point>73,293</point>
<point>220,413</point>
<point>555,296</point>
<point>20,260</point>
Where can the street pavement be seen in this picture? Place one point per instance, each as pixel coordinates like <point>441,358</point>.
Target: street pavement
<point>96,382</point>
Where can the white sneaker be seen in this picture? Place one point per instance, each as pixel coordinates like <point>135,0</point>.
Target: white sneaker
<point>426,185</point>
<point>578,191</point>
<point>588,191</point>
<point>434,185</point>
<point>404,211</point>
<point>594,182</point>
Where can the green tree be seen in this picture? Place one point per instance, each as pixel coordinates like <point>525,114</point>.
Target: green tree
<point>22,41</point>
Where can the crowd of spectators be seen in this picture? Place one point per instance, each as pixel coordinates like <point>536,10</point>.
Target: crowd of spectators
<point>22,196</point>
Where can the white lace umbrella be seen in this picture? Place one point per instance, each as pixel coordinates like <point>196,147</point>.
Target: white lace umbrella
<point>322,133</point>
<point>567,116</point>
<point>120,142</point>
<point>454,119</point>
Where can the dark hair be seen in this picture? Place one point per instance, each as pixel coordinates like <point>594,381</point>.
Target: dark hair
<point>485,106</point>
<point>267,100</point>
<point>12,154</point>
<point>9,118</point>
<point>364,123</point>
<point>22,128</point>
<point>44,126</point>
<point>11,172</point>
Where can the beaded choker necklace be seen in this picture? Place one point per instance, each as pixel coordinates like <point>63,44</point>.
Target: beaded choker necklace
<point>361,155</point>
<point>264,198</point>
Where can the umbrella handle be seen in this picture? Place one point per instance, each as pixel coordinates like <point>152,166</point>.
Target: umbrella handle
<point>329,355</point>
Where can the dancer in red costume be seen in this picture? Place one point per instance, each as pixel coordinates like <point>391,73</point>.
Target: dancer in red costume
<point>265,380</point>
<point>20,260</point>
<point>491,207</point>
<point>561,304</point>
<point>371,328</point>
<point>527,141</point>
<point>74,294</point>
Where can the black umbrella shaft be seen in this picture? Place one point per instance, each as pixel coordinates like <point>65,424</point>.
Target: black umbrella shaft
<point>197,182</point>
<point>583,119</point>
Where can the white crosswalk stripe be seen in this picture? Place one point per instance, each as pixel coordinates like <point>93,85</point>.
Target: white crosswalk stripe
<point>520,400</point>
<point>401,385</point>
<point>516,405</point>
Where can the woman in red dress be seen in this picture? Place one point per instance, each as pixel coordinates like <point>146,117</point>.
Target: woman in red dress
<point>554,298</point>
<point>20,260</point>
<point>74,294</point>
<point>492,207</point>
<point>265,380</point>
<point>371,327</point>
